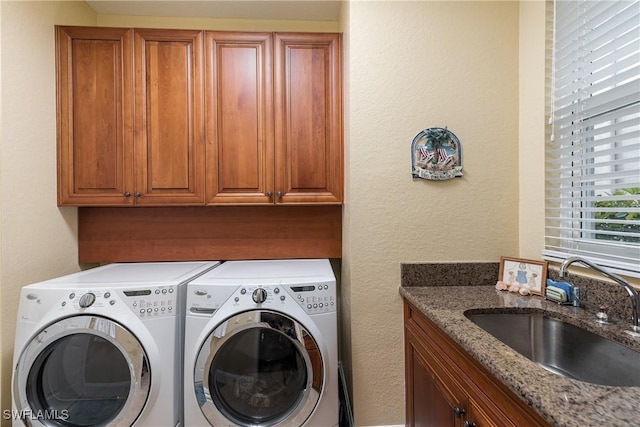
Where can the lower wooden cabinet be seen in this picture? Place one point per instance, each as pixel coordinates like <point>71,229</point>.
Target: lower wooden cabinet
<point>432,402</point>
<point>447,387</point>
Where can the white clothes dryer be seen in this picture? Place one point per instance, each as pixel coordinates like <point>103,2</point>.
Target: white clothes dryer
<point>261,346</point>
<point>103,347</point>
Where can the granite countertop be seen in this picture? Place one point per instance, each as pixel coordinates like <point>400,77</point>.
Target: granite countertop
<point>561,401</point>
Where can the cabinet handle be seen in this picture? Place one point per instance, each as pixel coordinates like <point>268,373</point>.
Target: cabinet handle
<point>468,424</point>
<point>459,412</point>
<point>126,194</point>
<point>269,194</point>
<point>136,194</point>
<point>279,194</point>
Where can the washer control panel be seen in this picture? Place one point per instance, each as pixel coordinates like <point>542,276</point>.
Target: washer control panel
<point>158,302</point>
<point>145,303</point>
<point>314,297</point>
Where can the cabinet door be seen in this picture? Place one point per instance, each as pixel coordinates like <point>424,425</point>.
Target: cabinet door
<point>94,116</point>
<point>239,108</point>
<point>169,133</point>
<point>476,398</point>
<point>485,413</point>
<point>308,112</point>
<point>433,400</point>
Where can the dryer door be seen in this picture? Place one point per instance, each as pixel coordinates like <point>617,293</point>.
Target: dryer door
<point>259,368</point>
<point>82,371</point>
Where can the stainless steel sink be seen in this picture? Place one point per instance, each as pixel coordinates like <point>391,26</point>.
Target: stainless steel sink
<point>563,348</point>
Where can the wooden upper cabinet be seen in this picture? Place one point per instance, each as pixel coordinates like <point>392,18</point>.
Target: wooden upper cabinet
<point>182,117</point>
<point>308,111</point>
<point>274,118</point>
<point>169,109</point>
<point>239,111</point>
<point>94,120</point>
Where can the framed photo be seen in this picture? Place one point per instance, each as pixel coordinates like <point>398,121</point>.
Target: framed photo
<point>527,273</point>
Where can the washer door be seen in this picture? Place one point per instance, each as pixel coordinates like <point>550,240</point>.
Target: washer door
<point>259,368</point>
<point>82,371</point>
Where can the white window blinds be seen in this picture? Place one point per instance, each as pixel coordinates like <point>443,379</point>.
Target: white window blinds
<point>593,156</point>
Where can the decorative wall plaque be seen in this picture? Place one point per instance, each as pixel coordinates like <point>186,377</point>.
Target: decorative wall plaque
<point>436,154</point>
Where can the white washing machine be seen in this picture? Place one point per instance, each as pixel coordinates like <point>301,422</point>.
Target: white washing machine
<point>261,346</point>
<point>103,347</point>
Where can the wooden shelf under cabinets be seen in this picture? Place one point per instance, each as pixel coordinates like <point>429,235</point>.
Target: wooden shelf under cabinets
<point>208,233</point>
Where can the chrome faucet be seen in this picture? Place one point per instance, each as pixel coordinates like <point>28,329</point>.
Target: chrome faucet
<point>633,293</point>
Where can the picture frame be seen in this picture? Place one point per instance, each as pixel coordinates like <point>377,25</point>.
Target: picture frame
<point>436,154</point>
<point>528,273</point>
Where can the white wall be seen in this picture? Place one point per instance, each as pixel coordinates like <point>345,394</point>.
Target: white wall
<point>414,65</point>
<point>38,238</point>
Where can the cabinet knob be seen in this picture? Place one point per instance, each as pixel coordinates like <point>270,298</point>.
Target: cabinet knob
<point>137,194</point>
<point>279,194</point>
<point>468,424</point>
<point>269,194</point>
<point>459,412</point>
<point>126,194</point>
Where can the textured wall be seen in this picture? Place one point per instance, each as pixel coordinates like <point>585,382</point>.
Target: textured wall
<point>414,65</point>
<point>38,238</point>
<point>345,285</point>
<point>532,128</point>
<point>219,24</point>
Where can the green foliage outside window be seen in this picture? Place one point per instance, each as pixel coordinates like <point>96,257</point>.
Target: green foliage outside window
<point>623,213</point>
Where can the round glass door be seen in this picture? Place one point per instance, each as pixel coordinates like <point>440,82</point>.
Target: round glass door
<point>260,373</point>
<point>83,371</point>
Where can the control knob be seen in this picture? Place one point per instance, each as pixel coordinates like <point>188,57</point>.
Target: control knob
<point>87,300</point>
<point>259,296</point>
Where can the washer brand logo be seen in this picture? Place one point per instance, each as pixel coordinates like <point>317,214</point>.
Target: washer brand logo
<point>28,414</point>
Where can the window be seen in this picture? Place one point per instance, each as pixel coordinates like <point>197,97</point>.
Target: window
<point>593,154</point>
